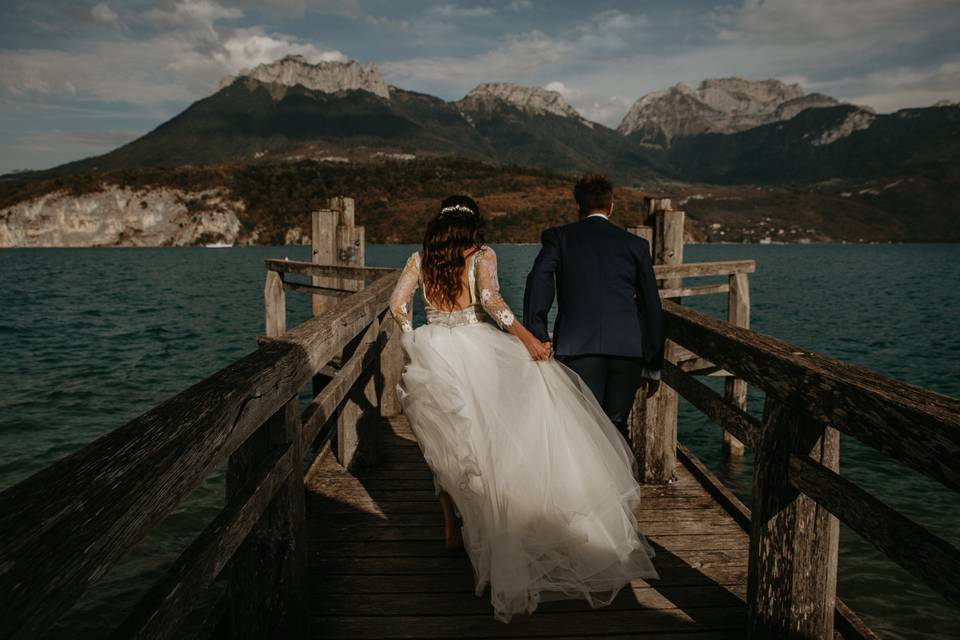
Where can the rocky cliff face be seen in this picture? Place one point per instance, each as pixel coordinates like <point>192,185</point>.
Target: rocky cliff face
<point>329,77</point>
<point>533,100</point>
<point>119,216</point>
<point>724,105</point>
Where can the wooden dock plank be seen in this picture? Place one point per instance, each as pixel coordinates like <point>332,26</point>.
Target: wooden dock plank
<point>379,568</point>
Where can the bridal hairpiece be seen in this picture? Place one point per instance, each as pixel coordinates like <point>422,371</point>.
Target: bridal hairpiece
<point>457,209</point>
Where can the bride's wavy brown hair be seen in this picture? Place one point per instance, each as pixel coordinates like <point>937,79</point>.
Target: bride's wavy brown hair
<point>457,228</point>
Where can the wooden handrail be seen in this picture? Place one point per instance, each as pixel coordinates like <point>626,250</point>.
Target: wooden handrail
<point>313,269</point>
<point>918,427</point>
<point>925,555</point>
<point>125,482</point>
<point>699,269</point>
<point>809,397</point>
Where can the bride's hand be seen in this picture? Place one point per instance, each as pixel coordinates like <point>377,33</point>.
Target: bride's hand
<point>538,350</point>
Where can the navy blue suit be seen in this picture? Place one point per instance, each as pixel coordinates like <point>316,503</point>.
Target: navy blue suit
<point>609,325</point>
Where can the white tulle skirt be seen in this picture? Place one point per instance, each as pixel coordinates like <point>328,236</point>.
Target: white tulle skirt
<point>541,477</point>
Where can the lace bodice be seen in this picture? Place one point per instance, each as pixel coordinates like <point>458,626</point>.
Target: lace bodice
<point>483,287</point>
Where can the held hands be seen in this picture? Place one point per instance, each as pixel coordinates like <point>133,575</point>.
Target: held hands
<point>538,350</point>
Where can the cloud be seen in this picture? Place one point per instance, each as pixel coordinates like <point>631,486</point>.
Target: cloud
<point>190,51</point>
<point>189,13</point>
<point>250,47</point>
<point>103,14</point>
<point>297,8</point>
<point>520,5</point>
<point>895,88</point>
<point>516,58</point>
<point>565,91</point>
<point>456,11</point>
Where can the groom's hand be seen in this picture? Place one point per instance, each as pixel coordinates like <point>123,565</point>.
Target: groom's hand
<point>549,347</point>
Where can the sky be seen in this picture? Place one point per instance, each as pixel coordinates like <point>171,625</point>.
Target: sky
<point>79,78</point>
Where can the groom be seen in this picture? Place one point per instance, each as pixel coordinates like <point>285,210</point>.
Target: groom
<point>609,327</point>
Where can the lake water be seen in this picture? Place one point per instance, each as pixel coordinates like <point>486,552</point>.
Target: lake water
<point>91,338</point>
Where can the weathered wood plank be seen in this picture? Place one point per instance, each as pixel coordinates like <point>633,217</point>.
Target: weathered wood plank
<point>700,290</point>
<point>274,305</point>
<point>322,252</point>
<point>642,622</point>
<point>700,560</point>
<point>791,590</point>
<point>323,407</point>
<point>925,555</point>
<point>424,542</point>
<point>466,603</point>
<point>463,583</point>
<point>268,582</point>
<point>701,269</point>
<point>309,268</point>
<point>913,425</point>
<point>738,314</point>
<point>729,416</point>
<point>315,290</point>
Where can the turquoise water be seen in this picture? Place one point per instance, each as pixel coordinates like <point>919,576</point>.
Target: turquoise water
<point>91,338</point>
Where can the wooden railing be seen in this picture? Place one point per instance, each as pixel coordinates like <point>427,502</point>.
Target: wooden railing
<point>64,527</point>
<point>797,493</point>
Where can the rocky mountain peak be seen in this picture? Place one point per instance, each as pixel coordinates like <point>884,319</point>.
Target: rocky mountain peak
<point>717,105</point>
<point>535,100</point>
<point>329,77</point>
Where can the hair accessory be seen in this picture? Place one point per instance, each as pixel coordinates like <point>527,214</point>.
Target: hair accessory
<point>457,209</point>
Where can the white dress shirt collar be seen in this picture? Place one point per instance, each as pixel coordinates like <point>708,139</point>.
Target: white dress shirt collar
<point>598,214</point>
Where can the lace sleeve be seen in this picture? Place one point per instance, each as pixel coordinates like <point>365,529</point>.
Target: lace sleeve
<point>403,293</point>
<point>489,286</point>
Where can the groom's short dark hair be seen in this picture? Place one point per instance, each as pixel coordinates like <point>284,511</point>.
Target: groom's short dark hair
<point>593,191</point>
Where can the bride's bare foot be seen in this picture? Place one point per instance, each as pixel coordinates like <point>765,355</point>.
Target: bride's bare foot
<point>453,536</point>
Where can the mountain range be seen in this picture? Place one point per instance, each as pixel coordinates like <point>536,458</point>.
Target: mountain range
<point>727,131</point>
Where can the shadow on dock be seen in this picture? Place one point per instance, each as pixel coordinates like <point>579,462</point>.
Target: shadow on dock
<point>379,569</point>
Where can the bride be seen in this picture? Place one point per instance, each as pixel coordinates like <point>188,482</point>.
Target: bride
<point>517,443</point>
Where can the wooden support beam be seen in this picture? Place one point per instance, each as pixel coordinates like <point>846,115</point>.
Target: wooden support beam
<point>274,305</point>
<point>269,594</point>
<point>738,314</point>
<point>702,290</point>
<point>925,555</point>
<point>170,602</point>
<point>728,415</point>
<point>653,421</point>
<point>323,252</point>
<point>315,290</point>
<point>918,427</point>
<point>700,269</point>
<point>792,572</point>
<point>360,407</point>
<point>645,232</point>
<point>308,268</point>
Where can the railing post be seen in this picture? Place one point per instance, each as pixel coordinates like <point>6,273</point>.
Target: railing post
<point>360,413</point>
<point>738,314</point>
<point>268,575</point>
<point>653,421</point>
<point>335,241</point>
<point>645,232</point>
<point>792,575</point>
<point>274,305</point>
<point>323,251</point>
<point>391,365</point>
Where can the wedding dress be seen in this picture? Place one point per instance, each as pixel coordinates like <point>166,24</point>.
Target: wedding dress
<point>542,479</point>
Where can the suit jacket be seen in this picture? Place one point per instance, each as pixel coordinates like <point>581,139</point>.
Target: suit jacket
<point>607,297</point>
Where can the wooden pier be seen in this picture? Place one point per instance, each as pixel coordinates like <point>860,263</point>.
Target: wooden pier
<point>330,528</point>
